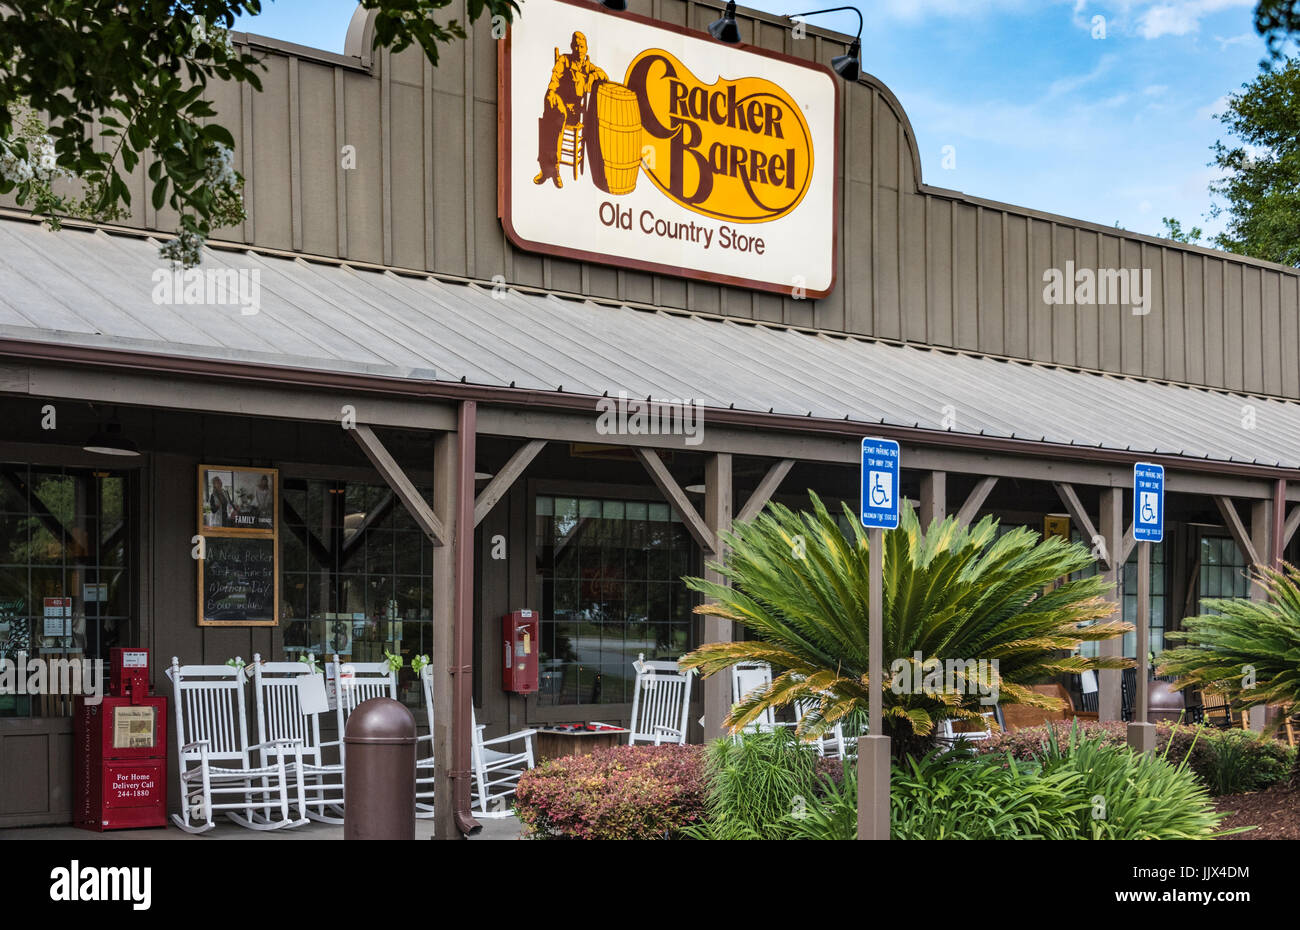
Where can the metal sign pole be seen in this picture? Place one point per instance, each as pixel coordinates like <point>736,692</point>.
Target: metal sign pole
<point>873,749</point>
<point>1143,631</point>
<point>878,512</point>
<point>1149,527</point>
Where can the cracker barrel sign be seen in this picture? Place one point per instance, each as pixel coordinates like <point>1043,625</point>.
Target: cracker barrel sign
<point>643,145</point>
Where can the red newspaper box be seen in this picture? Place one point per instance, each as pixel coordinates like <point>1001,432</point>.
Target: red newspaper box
<point>520,630</point>
<point>120,751</point>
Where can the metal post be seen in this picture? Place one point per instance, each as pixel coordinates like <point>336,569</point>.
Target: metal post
<point>873,749</point>
<point>1141,733</point>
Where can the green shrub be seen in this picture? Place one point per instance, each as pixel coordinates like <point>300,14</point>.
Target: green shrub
<point>1225,761</point>
<point>833,812</point>
<point>944,796</point>
<point>1231,761</point>
<point>1080,788</point>
<point>755,783</point>
<point>1130,795</point>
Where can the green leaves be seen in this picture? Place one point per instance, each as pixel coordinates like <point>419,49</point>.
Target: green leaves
<point>1261,172</point>
<point>142,71</point>
<point>1247,650</point>
<point>801,585</point>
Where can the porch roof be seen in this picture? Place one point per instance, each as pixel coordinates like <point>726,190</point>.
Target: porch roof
<point>95,289</point>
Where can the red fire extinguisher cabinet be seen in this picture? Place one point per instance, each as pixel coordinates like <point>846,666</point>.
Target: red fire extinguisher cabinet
<point>519,630</point>
<point>120,751</point>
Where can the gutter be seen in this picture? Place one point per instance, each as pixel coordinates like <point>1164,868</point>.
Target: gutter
<point>463,633</point>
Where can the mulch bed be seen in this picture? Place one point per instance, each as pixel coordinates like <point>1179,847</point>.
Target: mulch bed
<point>1275,811</point>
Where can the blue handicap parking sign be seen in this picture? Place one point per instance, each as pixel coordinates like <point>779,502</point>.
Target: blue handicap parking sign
<point>1148,502</point>
<point>880,492</point>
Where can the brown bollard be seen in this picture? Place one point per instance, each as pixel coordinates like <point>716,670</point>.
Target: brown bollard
<point>379,772</point>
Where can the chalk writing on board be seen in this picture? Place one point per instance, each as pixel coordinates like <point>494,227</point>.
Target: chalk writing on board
<point>239,579</point>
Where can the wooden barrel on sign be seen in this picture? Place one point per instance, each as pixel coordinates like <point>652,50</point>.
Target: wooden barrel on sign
<point>613,137</point>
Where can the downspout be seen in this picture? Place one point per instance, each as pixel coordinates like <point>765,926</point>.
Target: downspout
<point>463,645</point>
<point>1279,521</point>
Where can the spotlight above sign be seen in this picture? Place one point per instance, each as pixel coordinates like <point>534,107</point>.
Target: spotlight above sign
<point>634,143</point>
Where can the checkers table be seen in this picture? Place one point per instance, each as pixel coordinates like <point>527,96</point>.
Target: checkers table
<point>576,739</point>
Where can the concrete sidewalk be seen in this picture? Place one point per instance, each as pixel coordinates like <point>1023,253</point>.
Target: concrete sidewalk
<point>493,829</point>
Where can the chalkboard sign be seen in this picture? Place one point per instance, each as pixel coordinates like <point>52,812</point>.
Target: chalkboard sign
<point>239,527</point>
<point>237,581</point>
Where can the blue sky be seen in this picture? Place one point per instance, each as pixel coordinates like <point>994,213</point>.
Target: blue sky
<point>1039,112</point>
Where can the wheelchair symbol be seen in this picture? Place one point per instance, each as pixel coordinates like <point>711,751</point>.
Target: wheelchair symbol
<point>1150,512</point>
<point>882,489</point>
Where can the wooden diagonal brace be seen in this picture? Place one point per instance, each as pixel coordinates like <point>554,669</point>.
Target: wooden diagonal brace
<point>1288,529</point>
<point>1081,519</point>
<point>669,488</point>
<point>766,488</point>
<point>1239,535</point>
<point>502,481</point>
<point>976,500</point>
<point>396,479</point>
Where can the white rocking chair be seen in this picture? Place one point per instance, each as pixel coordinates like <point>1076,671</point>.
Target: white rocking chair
<point>213,755</point>
<point>660,703</point>
<point>831,744</point>
<point>949,734</point>
<point>424,764</point>
<point>280,716</point>
<point>746,678</point>
<point>363,681</point>
<point>497,771</point>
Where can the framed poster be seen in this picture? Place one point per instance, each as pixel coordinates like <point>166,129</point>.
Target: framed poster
<point>238,518</point>
<point>236,500</point>
<point>642,144</point>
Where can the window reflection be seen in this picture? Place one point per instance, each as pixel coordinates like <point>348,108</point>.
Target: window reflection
<point>65,590</point>
<point>357,576</point>
<point>609,575</point>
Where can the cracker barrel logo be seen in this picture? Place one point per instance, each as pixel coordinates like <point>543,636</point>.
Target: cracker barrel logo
<point>737,149</point>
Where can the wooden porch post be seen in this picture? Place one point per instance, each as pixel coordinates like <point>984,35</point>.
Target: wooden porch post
<point>717,514</point>
<point>1262,537</point>
<point>453,598</point>
<point>1112,532</point>
<point>934,497</point>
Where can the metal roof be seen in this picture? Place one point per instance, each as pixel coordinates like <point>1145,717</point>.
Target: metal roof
<point>95,289</point>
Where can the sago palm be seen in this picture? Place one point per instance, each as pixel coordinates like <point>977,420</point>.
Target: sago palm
<point>1249,651</point>
<point>801,585</point>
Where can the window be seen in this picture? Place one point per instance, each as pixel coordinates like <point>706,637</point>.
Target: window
<point>609,575</point>
<point>65,589</point>
<point>1130,578</point>
<point>1223,571</point>
<point>1157,619</point>
<point>356,575</point>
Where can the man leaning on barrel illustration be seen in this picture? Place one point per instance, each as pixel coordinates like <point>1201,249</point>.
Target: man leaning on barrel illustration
<point>571,78</point>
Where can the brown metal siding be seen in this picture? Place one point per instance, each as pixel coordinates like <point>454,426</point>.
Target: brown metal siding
<point>916,263</point>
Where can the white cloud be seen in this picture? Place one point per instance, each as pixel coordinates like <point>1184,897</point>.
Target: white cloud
<point>1155,90</point>
<point>1237,40</point>
<point>1181,17</point>
<point>1067,85</point>
<point>1210,110</point>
